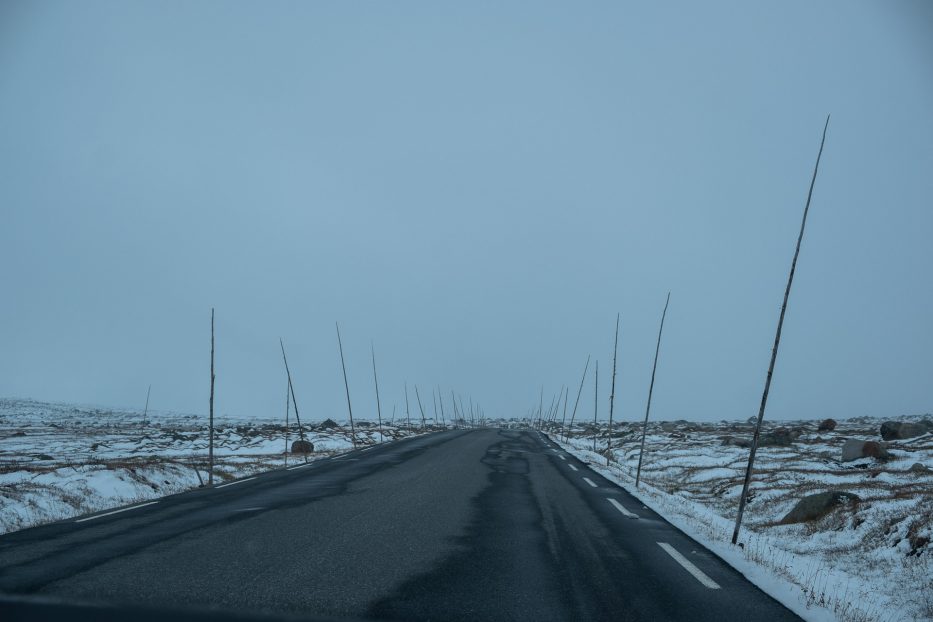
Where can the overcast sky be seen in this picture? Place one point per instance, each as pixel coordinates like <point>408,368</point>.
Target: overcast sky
<point>476,187</point>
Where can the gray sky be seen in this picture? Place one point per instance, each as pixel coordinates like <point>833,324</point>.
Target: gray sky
<point>478,187</point>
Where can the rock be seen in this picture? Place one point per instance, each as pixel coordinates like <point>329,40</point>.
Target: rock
<point>897,430</point>
<point>813,507</point>
<point>752,420</point>
<point>737,442</point>
<point>329,424</point>
<point>853,449</point>
<point>780,437</point>
<point>668,426</point>
<point>827,425</point>
<point>302,447</point>
<point>919,467</point>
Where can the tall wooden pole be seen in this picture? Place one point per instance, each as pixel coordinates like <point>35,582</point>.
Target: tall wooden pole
<point>347,386</point>
<point>440,398</point>
<point>420,407</point>
<point>287,401</point>
<point>579,391</point>
<point>654,368</point>
<point>146,409</point>
<point>540,406</point>
<point>563,419</point>
<point>463,412</point>
<point>376,382</point>
<point>777,342</point>
<point>612,394</point>
<point>407,411</point>
<point>550,409</point>
<point>434,398</point>
<point>210,442</point>
<point>595,404</point>
<point>301,432</point>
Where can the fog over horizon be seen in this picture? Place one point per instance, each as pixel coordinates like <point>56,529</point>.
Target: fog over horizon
<point>476,190</point>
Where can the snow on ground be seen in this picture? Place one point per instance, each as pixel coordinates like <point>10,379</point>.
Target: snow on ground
<point>61,460</point>
<point>869,562</point>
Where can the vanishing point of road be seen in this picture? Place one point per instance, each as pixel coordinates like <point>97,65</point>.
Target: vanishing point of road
<point>460,525</point>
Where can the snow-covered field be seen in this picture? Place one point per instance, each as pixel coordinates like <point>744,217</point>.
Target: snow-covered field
<point>871,560</point>
<point>61,460</point>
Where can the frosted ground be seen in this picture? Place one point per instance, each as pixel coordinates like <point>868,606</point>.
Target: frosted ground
<point>62,460</point>
<point>869,561</point>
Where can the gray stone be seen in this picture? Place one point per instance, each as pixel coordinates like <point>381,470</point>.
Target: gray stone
<point>853,449</point>
<point>919,467</point>
<point>898,430</point>
<point>813,507</point>
<point>302,447</point>
<point>780,437</point>
<point>827,425</point>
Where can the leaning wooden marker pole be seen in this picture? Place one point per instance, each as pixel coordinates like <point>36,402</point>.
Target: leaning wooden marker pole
<point>595,404</point>
<point>376,382</point>
<point>146,410</point>
<point>612,393</point>
<point>777,342</point>
<point>291,387</point>
<point>407,411</point>
<point>579,391</point>
<point>440,398</point>
<point>287,399</point>
<point>644,429</point>
<point>210,442</point>
<point>420,407</point>
<point>347,386</point>
<point>301,432</point>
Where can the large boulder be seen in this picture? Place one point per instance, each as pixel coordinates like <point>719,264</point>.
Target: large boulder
<point>853,449</point>
<point>827,425</point>
<point>814,507</point>
<point>328,424</point>
<point>302,447</point>
<point>780,437</point>
<point>897,430</point>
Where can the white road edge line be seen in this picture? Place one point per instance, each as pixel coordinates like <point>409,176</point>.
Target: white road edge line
<point>589,481</point>
<point>300,466</point>
<point>572,467</point>
<point>141,505</point>
<point>239,481</point>
<point>698,574</point>
<point>620,507</point>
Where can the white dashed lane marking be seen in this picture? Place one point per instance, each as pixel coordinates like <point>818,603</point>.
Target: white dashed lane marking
<point>589,481</point>
<point>621,508</point>
<point>698,574</point>
<point>572,467</point>
<point>142,505</point>
<point>239,481</point>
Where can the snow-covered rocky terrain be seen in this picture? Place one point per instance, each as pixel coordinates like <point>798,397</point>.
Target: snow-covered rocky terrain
<point>62,460</point>
<point>867,559</point>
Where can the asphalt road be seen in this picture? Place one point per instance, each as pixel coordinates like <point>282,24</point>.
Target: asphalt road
<point>459,525</point>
